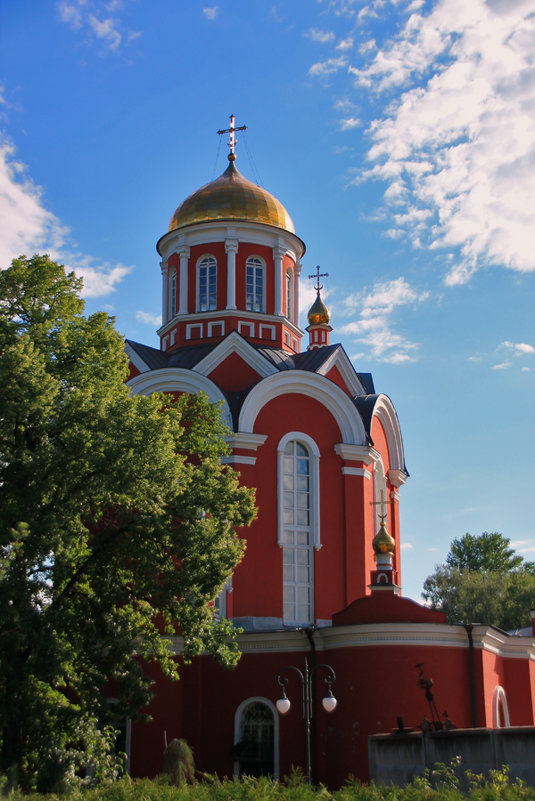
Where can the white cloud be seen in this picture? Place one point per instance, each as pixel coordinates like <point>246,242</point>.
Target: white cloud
<point>149,318</point>
<point>350,122</point>
<point>501,366</point>
<point>211,12</point>
<point>315,35</point>
<point>406,546</point>
<point>457,145</point>
<point>345,44</point>
<point>323,68</point>
<point>29,227</point>
<point>92,18</point>
<point>519,348</point>
<point>373,325</point>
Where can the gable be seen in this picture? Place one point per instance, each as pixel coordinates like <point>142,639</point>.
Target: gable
<point>234,374</point>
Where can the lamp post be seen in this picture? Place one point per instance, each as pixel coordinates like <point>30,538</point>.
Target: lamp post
<point>329,702</point>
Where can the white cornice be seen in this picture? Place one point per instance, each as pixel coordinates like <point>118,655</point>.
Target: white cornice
<point>238,459</point>
<point>235,343</point>
<point>357,453</point>
<point>246,441</point>
<point>356,471</point>
<point>135,358</point>
<point>397,477</point>
<point>222,314</point>
<point>254,233</point>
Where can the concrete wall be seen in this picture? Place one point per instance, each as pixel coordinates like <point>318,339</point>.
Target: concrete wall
<point>399,758</point>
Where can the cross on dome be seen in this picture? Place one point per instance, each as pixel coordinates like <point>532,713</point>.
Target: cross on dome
<point>232,139</point>
<point>317,285</point>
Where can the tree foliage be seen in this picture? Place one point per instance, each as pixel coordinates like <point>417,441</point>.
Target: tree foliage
<point>483,581</point>
<point>117,524</point>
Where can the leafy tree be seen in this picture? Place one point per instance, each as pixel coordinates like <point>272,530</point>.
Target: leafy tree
<point>117,525</point>
<point>483,580</point>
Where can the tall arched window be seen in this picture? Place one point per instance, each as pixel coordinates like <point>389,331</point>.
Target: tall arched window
<point>172,295</point>
<point>255,737</point>
<point>254,284</point>
<point>290,296</point>
<point>298,525</point>
<point>206,284</point>
<point>379,491</point>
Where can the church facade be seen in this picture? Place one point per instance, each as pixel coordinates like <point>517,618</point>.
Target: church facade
<point>321,574</point>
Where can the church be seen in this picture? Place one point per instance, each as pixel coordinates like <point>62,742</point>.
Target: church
<point>326,631</point>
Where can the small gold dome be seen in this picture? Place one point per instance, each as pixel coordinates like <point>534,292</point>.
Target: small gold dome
<point>231,197</point>
<point>318,313</point>
<point>383,542</point>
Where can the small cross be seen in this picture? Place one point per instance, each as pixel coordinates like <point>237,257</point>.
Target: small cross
<point>317,285</point>
<point>381,503</point>
<point>231,131</point>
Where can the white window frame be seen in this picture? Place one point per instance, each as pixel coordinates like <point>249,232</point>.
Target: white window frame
<point>256,263</point>
<point>290,295</point>
<point>171,312</point>
<point>205,263</point>
<point>246,329</point>
<point>238,733</point>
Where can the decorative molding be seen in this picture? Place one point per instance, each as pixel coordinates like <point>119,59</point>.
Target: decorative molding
<point>220,324</point>
<point>397,477</point>
<point>356,471</point>
<point>190,328</point>
<point>246,441</point>
<point>312,385</point>
<point>386,414</point>
<point>238,459</point>
<point>340,360</point>
<point>357,453</point>
<point>235,343</point>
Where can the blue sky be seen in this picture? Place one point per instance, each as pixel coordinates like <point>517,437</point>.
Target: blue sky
<point>400,136</point>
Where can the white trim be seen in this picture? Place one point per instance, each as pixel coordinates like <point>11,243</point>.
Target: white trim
<point>135,358</point>
<point>191,327</point>
<point>164,266</point>
<point>210,327</point>
<point>318,387</point>
<point>397,477</point>
<point>314,485</point>
<point>247,441</point>
<point>269,328</point>
<point>263,267</point>
<point>199,265</point>
<point>231,248</point>
<point>395,496</point>
<point>238,729</point>
<point>357,453</point>
<point>253,317</point>
<point>184,254</point>
<point>386,414</point>
<point>172,379</point>
<point>499,695</point>
<point>356,471</point>
<point>246,328</point>
<point>340,360</point>
<point>207,233</point>
<point>238,459</point>
<point>235,343</point>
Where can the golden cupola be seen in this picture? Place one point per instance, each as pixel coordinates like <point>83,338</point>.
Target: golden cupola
<point>231,197</point>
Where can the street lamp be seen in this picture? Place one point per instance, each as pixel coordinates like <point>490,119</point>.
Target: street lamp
<point>329,702</point>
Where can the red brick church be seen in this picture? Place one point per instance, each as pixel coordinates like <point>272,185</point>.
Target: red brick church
<point>321,575</point>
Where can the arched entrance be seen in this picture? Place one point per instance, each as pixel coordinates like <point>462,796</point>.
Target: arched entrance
<point>256,738</point>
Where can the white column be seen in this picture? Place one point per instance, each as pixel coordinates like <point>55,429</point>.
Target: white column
<point>165,290</point>
<point>231,248</point>
<point>183,286</point>
<point>297,272</point>
<point>278,255</point>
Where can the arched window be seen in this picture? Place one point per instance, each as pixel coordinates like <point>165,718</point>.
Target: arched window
<point>290,296</point>
<point>255,738</point>
<point>379,491</point>
<point>298,525</point>
<point>206,284</point>
<point>255,284</point>
<point>172,294</point>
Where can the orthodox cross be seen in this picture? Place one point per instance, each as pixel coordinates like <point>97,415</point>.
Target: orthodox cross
<point>317,285</point>
<point>381,503</point>
<point>232,130</point>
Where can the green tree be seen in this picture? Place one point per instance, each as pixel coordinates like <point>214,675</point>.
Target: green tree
<point>117,525</point>
<point>483,581</point>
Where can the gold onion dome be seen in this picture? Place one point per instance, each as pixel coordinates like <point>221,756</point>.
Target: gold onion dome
<point>318,313</point>
<point>383,542</point>
<point>231,197</point>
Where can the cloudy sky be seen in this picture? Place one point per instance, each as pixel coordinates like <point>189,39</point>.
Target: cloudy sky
<point>400,136</point>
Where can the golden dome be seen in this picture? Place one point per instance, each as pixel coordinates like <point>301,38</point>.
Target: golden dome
<point>383,542</point>
<point>318,313</point>
<point>231,197</point>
